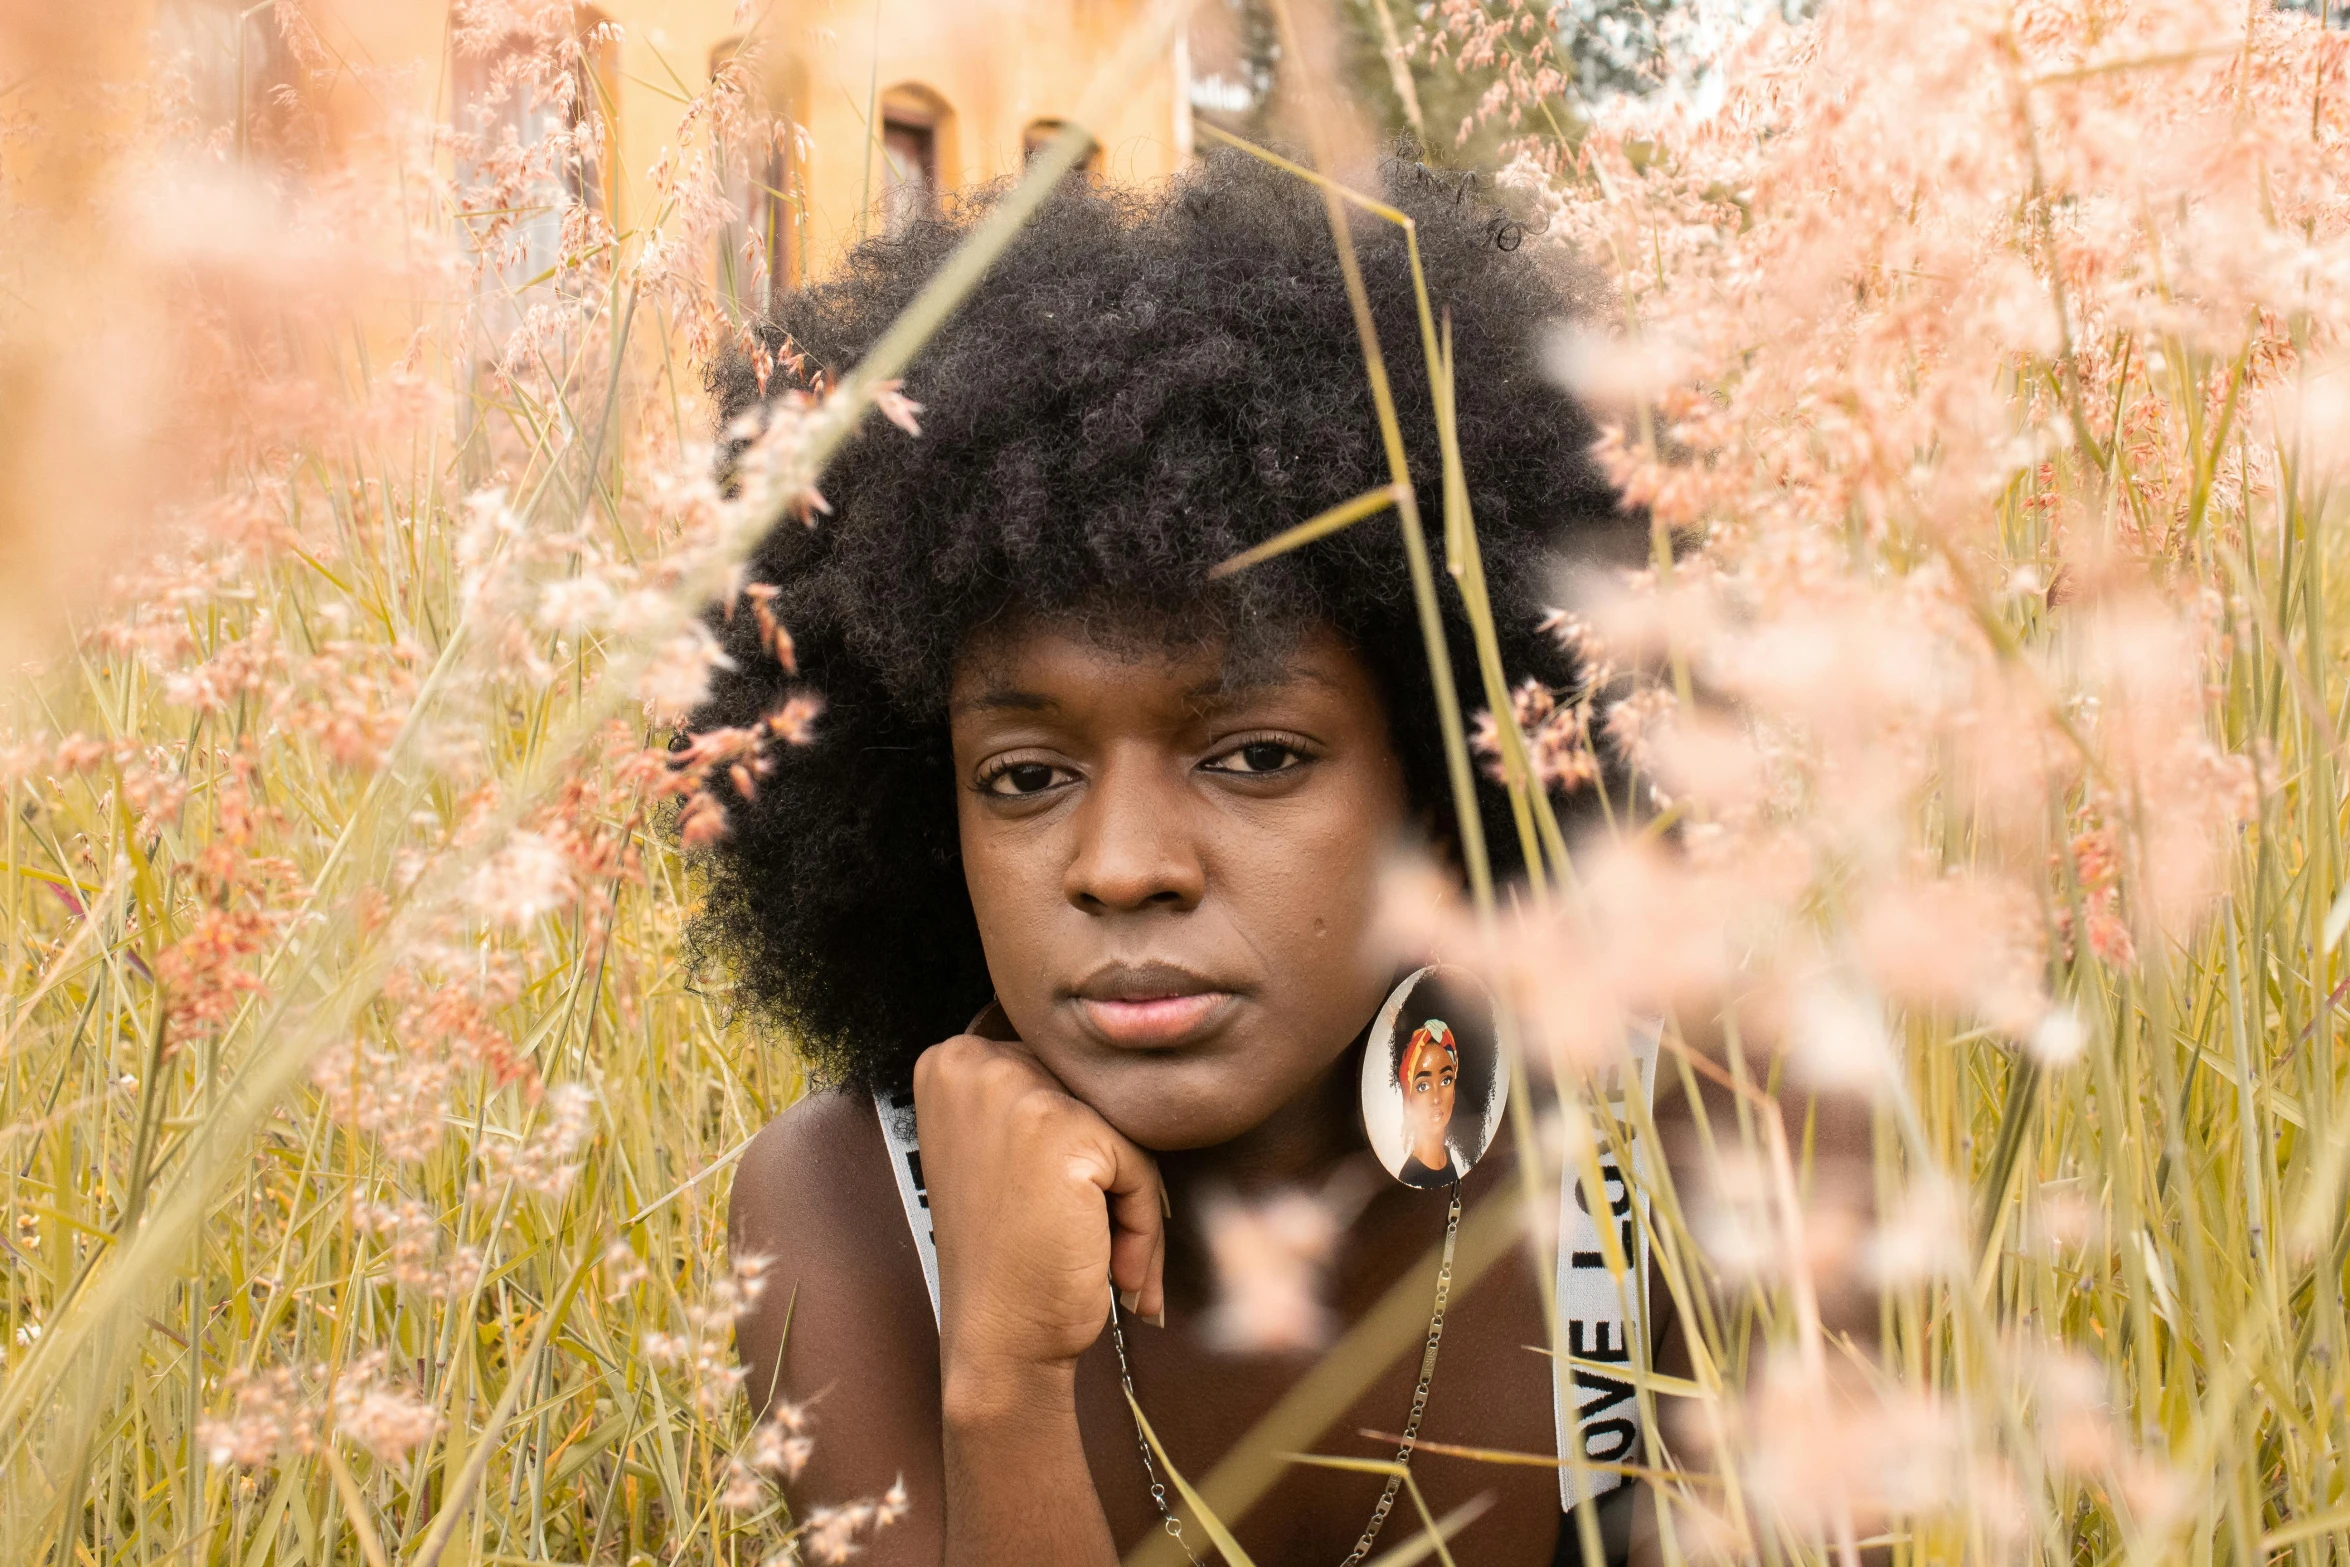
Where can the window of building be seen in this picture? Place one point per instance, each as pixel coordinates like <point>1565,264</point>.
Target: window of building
<point>1039,135</point>
<point>592,116</point>
<point>230,75</point>
<point>533,123</point>
<point>541,112</point>
<point>909,157</point>
<point>759,246</point>
<point>911,160</point>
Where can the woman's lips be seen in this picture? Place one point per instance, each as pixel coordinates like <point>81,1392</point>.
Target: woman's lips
<point>1153,1022</point>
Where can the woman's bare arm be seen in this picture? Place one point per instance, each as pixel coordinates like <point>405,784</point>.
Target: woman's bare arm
<point>843,1325</point>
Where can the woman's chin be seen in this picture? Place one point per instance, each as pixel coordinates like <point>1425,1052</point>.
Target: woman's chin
<point>1171,1103</point>
<point>1176,1125</point>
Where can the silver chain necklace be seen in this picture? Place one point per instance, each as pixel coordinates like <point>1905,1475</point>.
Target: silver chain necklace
<point>1411,1430</point>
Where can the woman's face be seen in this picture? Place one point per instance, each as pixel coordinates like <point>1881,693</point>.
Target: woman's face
<point>1173,870</point>
<point>1427,1104</point>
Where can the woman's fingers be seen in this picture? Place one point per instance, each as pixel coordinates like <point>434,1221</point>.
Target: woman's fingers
<point>1138,1224</point>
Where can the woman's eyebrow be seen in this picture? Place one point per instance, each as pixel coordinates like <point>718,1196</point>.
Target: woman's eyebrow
<point>1223,690</point>
<point>1002,699</point>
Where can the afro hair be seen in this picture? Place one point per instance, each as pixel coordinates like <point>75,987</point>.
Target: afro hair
<point>1145,384</point>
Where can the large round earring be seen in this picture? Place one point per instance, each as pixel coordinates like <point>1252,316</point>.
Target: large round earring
<point>1433,1085</point>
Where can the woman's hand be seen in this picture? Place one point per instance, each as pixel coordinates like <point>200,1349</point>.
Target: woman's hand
<point>1038,1205</point>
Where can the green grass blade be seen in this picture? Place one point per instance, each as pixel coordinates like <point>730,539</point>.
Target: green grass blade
<point>1410,1552</point>
<point>1208,1520</point>
<point>1390,1467</point>
<point>1345,514</point>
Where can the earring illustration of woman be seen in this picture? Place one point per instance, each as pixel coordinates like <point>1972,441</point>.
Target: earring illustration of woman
<point>1425,1074</point>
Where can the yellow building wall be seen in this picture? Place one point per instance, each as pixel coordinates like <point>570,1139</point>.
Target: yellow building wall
<point>999,66</point>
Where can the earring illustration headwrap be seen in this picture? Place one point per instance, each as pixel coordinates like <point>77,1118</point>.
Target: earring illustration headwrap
<point>1432,1088</point>
<point>1432,1046</point>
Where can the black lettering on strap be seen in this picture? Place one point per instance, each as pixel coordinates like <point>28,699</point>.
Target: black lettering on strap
<point>1599,1348</point>
<point>1601,1394</point>
<point>1610,1441</point>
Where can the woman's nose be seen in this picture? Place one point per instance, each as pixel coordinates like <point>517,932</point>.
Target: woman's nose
<point>1135,844</point>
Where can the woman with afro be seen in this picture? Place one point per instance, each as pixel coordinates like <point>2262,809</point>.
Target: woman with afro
<point>1069,903</point>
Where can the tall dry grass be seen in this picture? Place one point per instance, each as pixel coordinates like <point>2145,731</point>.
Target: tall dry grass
<point>367,1121</point>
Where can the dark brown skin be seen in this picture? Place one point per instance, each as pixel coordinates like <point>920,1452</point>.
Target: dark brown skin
<point>1174,878</point>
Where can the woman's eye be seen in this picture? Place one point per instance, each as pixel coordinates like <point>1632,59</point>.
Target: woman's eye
<point>1023,778</point>
<point>1258,756</point>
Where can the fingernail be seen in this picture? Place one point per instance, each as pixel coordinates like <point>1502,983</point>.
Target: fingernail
<point>1158,1321</point>
<point>1166,1204</point>
<point>1132,1301</point>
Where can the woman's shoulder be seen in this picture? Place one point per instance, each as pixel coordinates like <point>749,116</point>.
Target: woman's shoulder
<point>814,1178</point>
<point>816,1206</point>
<point>827,1129</point>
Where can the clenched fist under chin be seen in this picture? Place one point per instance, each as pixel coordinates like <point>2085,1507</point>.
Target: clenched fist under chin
<point>1038,1205</point>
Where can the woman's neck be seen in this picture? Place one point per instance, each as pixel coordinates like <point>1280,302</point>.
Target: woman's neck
<point>1300,1144</point>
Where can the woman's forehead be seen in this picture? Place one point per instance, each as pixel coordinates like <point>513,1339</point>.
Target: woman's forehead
<point>1039,662</point>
